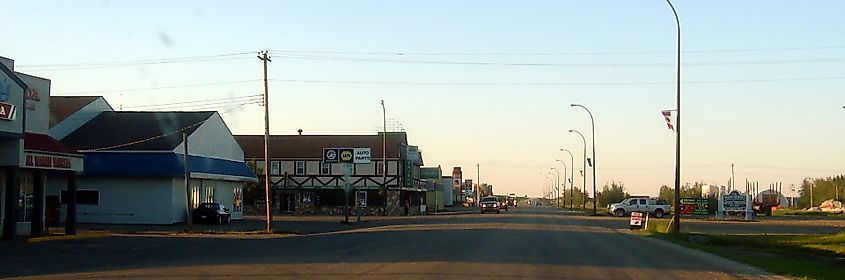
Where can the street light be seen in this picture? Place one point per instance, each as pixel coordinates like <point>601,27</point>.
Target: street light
<point>557,185</point>
<point>583,179</point>
<point>571,175</point>
<point>676,220</point>
<point>593,125</point>
<point>564,182</point>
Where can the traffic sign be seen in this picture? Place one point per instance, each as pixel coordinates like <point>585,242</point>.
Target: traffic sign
<point>331,155</point>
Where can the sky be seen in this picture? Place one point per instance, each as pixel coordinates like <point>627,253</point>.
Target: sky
<point>478,82</point>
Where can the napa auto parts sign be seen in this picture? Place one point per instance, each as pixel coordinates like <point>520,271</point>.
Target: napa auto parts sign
<point>7,111</point>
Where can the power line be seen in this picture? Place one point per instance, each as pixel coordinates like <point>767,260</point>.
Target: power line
<point>403,53</point>
<point>555,84</point>
<point>542,64</point>
<point>158,88</point>
<point>199,102</point>
<point>138,62</point>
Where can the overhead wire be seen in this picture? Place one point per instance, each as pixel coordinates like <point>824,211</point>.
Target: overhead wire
<point>161,87</point>
<point>405,53</point>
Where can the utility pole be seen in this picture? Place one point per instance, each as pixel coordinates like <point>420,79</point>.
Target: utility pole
<point>384,155</point>
<point>188,200</point>
<point>263,56</point>
<point>478,176</point>
<point>733,178</point>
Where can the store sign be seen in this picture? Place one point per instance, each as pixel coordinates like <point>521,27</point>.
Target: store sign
<point>362,155</point>
<point>734,201</point>
<point>346,155</point>
<point>695,206</point>
<point>7,111</point>
<point>48,162</point>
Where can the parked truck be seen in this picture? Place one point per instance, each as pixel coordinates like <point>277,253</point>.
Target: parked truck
<point>653,206</point>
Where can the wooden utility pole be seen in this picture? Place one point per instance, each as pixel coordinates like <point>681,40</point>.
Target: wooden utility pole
<point>188,200</point>
<point>264,59</point>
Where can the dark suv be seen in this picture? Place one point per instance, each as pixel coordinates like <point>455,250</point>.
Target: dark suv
<point>212,212</point>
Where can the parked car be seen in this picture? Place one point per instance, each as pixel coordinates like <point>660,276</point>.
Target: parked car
<point>490,204</point>
<point>653,206</point>
<point>212,213</point>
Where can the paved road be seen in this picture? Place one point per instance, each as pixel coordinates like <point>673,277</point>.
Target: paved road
<point>530,243</point>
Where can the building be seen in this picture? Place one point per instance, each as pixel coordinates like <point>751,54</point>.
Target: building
<point>457,185</point>
<point>135,162</point>
<point>302,183</point>
<point>30,158</point>
<point>448,194</point>
<point>435,194</point>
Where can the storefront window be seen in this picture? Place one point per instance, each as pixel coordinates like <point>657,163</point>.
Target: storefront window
<point>25,199</point>
<point>237,203</point>
<point>274,167</point>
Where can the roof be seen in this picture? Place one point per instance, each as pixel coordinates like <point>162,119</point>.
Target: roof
<point>127,131</point>
<point>160,165</point>
<point>311,146</point>
<point>45,143</point>
<point>62,107</point>
<point>12,75</point>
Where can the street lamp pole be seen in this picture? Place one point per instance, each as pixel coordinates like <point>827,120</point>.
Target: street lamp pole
<point>584,169</point>
<point>564,182</point>
<point>571,175</point>
<point>676,220</point>
<point>557,185</point>
<point>593,125</point>
<point>384,154</point>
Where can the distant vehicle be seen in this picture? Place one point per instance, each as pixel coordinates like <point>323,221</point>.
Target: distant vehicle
<point>512,199</point>
<point>536,203</point>
<point>490,204</point>
<point>503,204</point>
<point>213,213</point>
<point>639,204</point>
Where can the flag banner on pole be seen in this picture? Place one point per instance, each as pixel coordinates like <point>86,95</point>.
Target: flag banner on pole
<point>667,114</point>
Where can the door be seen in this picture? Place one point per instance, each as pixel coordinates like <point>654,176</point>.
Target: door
<point>642,206</point>
<point>286,204</point>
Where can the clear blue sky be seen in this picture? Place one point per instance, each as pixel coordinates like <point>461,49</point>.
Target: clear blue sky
<point>774,108</point>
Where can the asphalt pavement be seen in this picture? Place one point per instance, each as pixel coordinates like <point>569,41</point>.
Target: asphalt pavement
<point>528,243</point>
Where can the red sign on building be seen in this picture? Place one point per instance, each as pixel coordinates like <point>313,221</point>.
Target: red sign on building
<point>7,111</point>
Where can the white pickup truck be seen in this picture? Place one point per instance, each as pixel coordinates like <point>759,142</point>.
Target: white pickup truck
<point>639,204</point>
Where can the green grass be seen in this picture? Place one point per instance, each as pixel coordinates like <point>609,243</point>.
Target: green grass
<point>809,256</point>
<point>795,212</point>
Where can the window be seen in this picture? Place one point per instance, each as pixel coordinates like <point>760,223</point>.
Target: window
<point>300,168</point>
<point>25,199</point>
<point>208,195</point>
<point>632,202</point>
<point>275,168</point>
<point>237,202</point>
<point>83,197</point>
<point>642,202</point>
<point>259,167</point>
<point>379,167</point>
<point>325,168</point>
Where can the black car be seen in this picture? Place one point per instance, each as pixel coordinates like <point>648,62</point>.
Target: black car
<point>212,213</point>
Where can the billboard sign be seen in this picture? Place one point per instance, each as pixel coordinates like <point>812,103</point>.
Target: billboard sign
<point>361,155</point>
<point>330,155</point>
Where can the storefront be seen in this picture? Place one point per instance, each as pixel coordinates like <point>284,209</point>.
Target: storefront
<point>30,158</point>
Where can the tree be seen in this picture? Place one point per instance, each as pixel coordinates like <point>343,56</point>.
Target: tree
<point>254,191</point>
<point>613,193</point>
<point>822,189</point>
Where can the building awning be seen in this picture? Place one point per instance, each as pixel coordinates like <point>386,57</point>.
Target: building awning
<point>140,164</point>
<point>45,144</point>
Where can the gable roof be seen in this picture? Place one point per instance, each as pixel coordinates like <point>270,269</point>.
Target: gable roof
<point>127,131</point>
<point>62,107</point>
<point>311,146</point>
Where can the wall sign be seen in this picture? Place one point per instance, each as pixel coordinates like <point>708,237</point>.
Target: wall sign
<point>7,111</point>
<point>48,162</point>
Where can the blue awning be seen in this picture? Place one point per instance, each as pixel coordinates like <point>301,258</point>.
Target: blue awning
<point>161,165</point>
